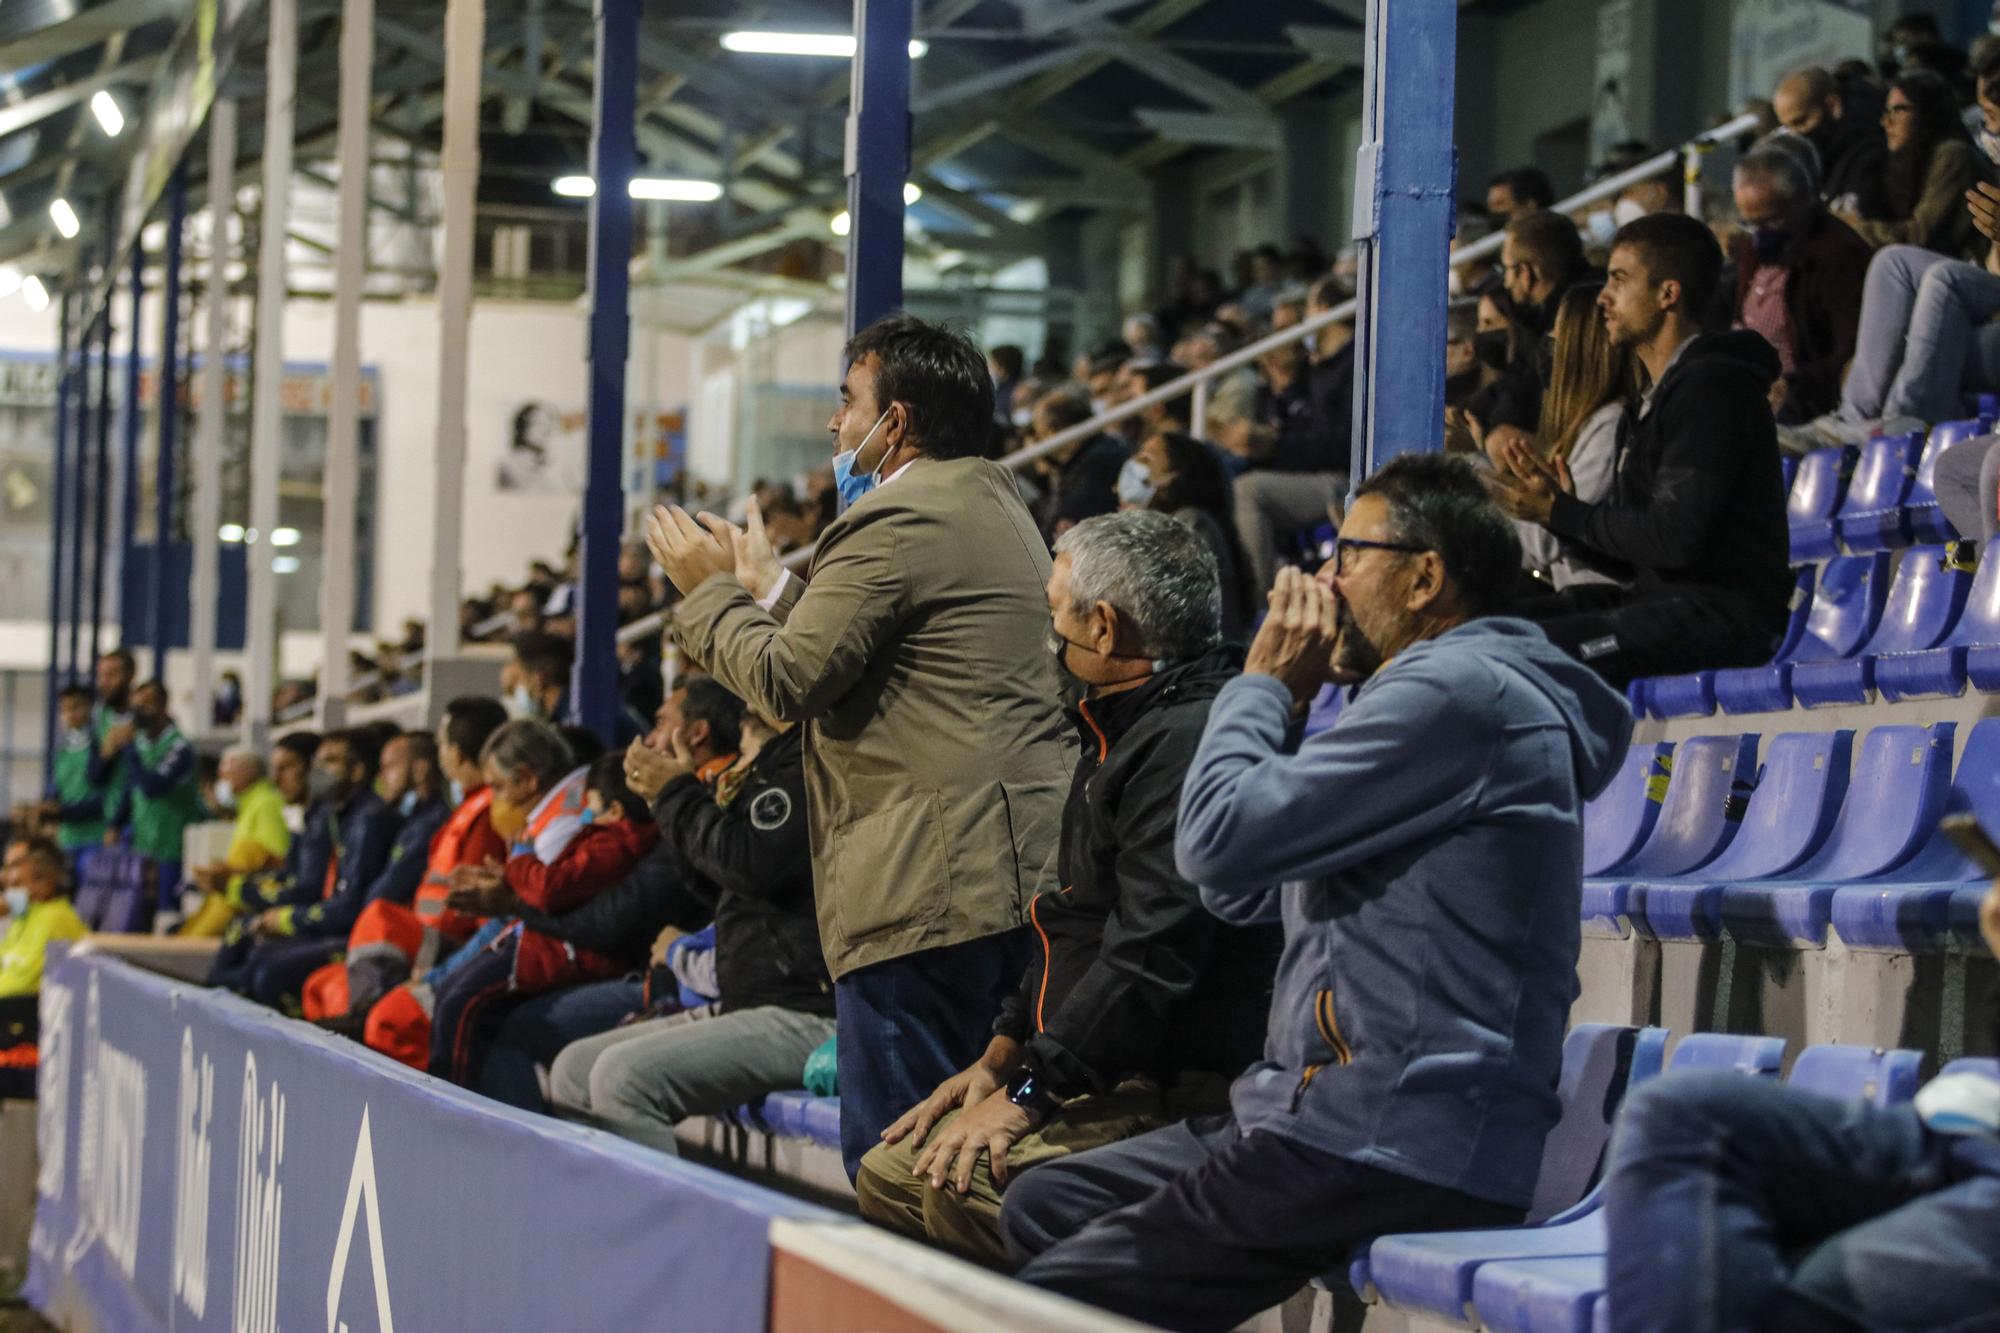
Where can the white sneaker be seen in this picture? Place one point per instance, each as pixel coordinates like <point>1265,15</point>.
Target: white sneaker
<point>1834,429</point>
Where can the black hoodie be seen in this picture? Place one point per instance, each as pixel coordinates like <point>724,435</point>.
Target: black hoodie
<point>1697,495</point>
<point>1854,166</point>
<point>1130,973</point>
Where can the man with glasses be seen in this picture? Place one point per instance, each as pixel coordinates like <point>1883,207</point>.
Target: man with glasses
<point>1424,857</point>
<point>1541,259</point>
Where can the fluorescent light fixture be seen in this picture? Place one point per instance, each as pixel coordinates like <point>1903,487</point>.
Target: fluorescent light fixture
<point>65,218</point>
<point>672,188</point>
<point>284,536</point>
<point>36,295</point>
<point>835,45</point>
<point>842,223</point>
<point>285,564</point>
<point>10,280</point>
<point>230,532</point>
<point>105,107</point>
<point>912,192</point>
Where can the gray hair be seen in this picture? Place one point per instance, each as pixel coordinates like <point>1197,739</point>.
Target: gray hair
<point>529,742</point>
<point>1156,571</point>
<point>1787,162</point>
<point>1233,399</point>
<point>243,754</point>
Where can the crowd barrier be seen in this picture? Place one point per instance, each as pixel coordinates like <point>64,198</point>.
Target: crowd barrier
<point>205,1164</point>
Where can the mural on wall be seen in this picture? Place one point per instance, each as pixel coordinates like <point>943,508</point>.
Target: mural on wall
<point>1771,38</point>
<point>547,446</point>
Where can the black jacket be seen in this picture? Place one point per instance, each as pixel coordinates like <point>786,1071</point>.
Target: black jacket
<point>752,860</point>
<point>1130,973</point>
<point>620,922</point>
<point>1854,166</point>
<point>1697,497</point>
<point>1086,485</point>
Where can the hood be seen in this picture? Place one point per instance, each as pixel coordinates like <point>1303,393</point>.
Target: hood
<point>1600,720</point>
<point>1743,351</point>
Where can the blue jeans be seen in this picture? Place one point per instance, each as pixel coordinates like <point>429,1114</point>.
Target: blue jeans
<point>1737,1203</point>
<point>909,1024</point>
<point>1925,337</point>
<point>537,1029</point>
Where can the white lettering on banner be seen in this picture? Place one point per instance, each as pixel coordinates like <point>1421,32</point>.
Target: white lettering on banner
<point>191,1177</point>
<point>112,1146</point>
<point>259,1204</point>
<point>52,1088</point>
<point>360,1189</point>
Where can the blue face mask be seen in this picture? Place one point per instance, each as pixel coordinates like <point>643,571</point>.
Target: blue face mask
<point>1769,243</point>
<point>853,485</point>
<point>1135,484</point>
<point>407,804</point>
<point>588,816</point>
<point>457,794</point>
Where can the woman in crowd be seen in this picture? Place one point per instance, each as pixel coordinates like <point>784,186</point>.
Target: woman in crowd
<point>1179,475</point>
<point>1932,163</point>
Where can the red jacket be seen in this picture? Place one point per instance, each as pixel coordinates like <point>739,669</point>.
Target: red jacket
<point>598,858</point>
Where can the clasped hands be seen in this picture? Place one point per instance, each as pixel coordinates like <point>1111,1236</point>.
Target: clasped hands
<point>1525,484</point>
<point>1300,638</point>
<point>693,549</point>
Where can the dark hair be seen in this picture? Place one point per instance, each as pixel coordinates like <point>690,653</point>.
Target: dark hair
<point>123,655</point>
<point>44,849</point>
<point>1155,374</point>
<point>1679,248</point>
<point>1439,503</point>
<point>544,654</point>
<point>300,743</point>
<point>151,684</point>
<point>607,779</point>
<point>422,745</point>
<point>585,746</point>
<point>937,374</point>
<point>1553,242</point>
<point>1937,123</point>
<point>1987,68</point>
<point>1529,185</point>
<point>1063,409</point>
<point>82,692</point>
<point>374,738</point>
<point>706,699</point>
<point>1008,358</point>
<point>1201,482</point>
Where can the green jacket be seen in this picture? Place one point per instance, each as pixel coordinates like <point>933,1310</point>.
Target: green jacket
<point>165,795</point>
<point>79,802</point>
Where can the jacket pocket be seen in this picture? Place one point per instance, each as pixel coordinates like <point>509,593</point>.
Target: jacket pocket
<point>1327,1024</point>
<point>888,870</point>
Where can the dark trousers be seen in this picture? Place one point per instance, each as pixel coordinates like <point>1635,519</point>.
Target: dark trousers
<point>909,1024</point>
<point>1739,1203</point>
<point>471,1004</point>
<point>277,969</point>
<point>1626,634</point>
<point>1199,1226</point>
<point>535,1031</point>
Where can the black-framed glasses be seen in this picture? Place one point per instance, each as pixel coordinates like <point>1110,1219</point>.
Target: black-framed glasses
<point>1342,545</point>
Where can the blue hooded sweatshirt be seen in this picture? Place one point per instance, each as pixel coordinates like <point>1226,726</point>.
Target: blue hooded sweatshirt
<point>1425,857</point>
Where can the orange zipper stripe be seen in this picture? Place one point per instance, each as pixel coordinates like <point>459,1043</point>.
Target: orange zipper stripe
<point>1329,1028</point>
<point>1103,745</point>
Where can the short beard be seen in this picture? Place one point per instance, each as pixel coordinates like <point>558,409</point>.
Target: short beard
<point>1355,654</point>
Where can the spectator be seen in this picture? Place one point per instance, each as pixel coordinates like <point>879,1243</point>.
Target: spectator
<point>1900,38</point>
<point>1137,378</point>
<point>1465,372</point>
<point>1696,511</point>
<point>1430,921</point>
<point>1260,295</point>
<point>1932,164</point>
<point>1100,372</point>
<point>916,657</point>
<point>1589,385</point>
<point>1141,1006</point>
<point>37,885</point>
<point>115,673</point>
<point>227,708</point>
<point>1986,133</point>
<point>1472,277</point>
<point>1743,1203</point>
<point>1541,259</point>
<point>75,804</point>
<point>526,606</point>
<point>1853,155</point>
<point>1142,334</point>
<point>746,851</point>
<point>1080,478</point>
<point>1514,194</point>
<point>543,663</point>
<point>1799,276</point>
<point>524,962</point>
<point>163,795</point>
<point>1004,364</point>
<point>258,841</point>
<point>1179,475</point>
<point>1302,479</point>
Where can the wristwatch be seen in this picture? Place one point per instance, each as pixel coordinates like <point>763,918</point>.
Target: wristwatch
<point>1027,1091</point>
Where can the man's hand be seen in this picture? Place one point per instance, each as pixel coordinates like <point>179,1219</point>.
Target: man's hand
<point>117,738</point>
<point>991,1126</point>
<point>1983,200</point>
<point>647,771</point>
<point>661,943</point>
<point>1989,918</point>
<point>1497,441</point>
<point>968,1087</point>
<point>211,879</point>
<point>1464,433</point>
<point>686,550</point>
<point>757,566</point>
<point>270,922</point>
<point>1525,484</point>
<point>1295,644</point>
<point>481,890</point>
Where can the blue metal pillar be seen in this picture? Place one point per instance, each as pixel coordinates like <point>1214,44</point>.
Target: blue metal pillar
<point>79,457</point>
<point>1405,179</point>
<point>128,456</point>
<point>169,400</point>
<point>594,701</point>
<point>58,470</point>
<point>878,159</point>
<point>100,490</point>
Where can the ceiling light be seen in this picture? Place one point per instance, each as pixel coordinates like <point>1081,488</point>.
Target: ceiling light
<point>912,192</point>
<point>842,223</point>
<point>671,188</point>
<point>36,295</point>
<point>285,564</point>
<point>105,107</point>
<point>284,536</point>
<point>10,280</point>
<point>65,218</point>
<point>574,187</point>
<point>837,45</point>
<point>230,532</point>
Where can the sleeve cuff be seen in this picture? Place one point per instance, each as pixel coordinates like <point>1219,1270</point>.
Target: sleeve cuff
<point>771,599</point>
<point>1566,517</point>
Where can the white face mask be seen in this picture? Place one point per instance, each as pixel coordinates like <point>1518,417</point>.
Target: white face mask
<point>1602,227</point>
<point>457,794</point>
<point>520,703</point>
<point>1627,210</point>
<point>225,794</point>
<point>17,902</point>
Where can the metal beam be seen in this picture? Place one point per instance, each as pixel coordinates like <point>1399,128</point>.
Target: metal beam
<point>170,415</point>
<point>1044,17</point>
<point>1338,46</point>
<point>213,420</point>
<point>32,110</point>
<point>57,513</point>
<point>878,158</point>
<point>35,31</point>
<point>993,80</point>
<point>1213,128</point>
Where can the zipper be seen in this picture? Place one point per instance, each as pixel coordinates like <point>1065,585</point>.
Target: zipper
<point>1328,1027</point>
<point>1103,745</point>
<point>1048,960</point>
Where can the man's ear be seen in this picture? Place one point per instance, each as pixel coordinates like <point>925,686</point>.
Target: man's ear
<point>1426,582</point>
<point>1670,298</point>
<point>1104,626</point>
<point>696,734</point>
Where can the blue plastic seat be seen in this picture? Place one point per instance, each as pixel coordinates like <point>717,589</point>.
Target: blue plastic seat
<point>1943,669</point>
<point>1693,695</point>
<point>1886,1078</point>
<point>1990,1068</point>
<point>1924,603</point>
<point>1798,795</point>
<point>796,1115</point>
<point>1846,608</point>
<point>1871,516</point>
<point>1894,801</point>
<point>1911,910</point>
<point>1713,777</point>
<point>1616,824</point>
<point>1436,1272</point>
<point>1788,467</point>
<point>1927,520</point>
<point>1817,489</point>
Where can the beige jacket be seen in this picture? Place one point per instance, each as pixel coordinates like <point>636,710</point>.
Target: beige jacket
<point>937,760</point>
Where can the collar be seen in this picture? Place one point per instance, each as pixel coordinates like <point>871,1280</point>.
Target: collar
<point>899,471</point>
<point>1646,395</point>
<point>716,767</point>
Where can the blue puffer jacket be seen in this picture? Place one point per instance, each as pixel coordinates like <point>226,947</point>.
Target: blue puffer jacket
<point>1425,857</point>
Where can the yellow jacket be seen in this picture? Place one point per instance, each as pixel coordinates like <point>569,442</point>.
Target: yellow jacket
<point>26,942</point>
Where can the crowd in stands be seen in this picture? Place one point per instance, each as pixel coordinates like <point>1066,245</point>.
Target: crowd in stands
<point>997,817</point>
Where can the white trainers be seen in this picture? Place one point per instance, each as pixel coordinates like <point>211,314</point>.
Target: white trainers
<point>1833,429</point>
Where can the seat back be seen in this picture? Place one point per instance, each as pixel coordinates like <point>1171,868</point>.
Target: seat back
<point>1943,436</point>
<point>1805,577</point>
<point>1818,484</point>
<point>1615,825</point>
<point>1600,1063</point>
<point>1882,477</point>
<point>1728,1050</point>
<point>1894,801</point>
<point>1713,779</point>
<point>1979,620</point>
<point>1975,790</point>
<point>1798,796</point>
<point>1924,602</point>
<point>1984,1066</point>
<point>1882,1077</point>
<point>1846,607</point>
